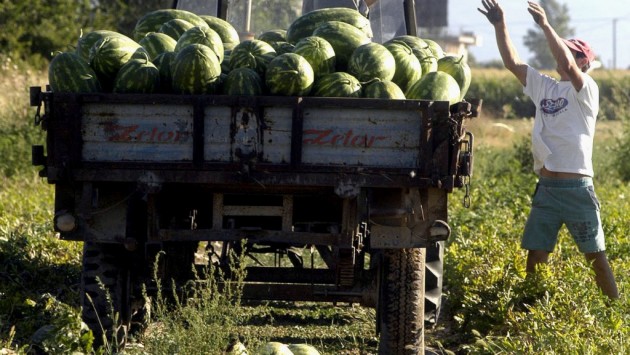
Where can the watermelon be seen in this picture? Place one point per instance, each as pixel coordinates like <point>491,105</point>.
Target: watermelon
<point>427,60</point>
<point>109,54</point>
<point>459,70</point>
<point>157,43</point>
<point>224,29</point>
<point>420,49</point>
<point>254,54</point>
<point>344,39</point>
<point>282,47</point>
<point>152,21</point>
<point>303,349</point>
<point>225,64</point>
<point>271,36</point>
<point>436,86</point>
<point>412,41</point>
<point>408,68</point>
<point>372,60</point>
<point>163,62</point>
<point>435,48</point>
<point>202,35</point>
<point>318,52</point>
<point>175,28</point>
<point>274,348</point>
<point>244,82</point>
<point>289,74</point>
<point>304,25</point>
<point>337,84</point>
<point>195,70</point>
<point>383,89</point>
<point>138,76</point>
<point>85,42</point>
<point>69,72</point>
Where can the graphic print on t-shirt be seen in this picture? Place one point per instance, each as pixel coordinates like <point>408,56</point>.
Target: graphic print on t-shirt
<point>551,107</point>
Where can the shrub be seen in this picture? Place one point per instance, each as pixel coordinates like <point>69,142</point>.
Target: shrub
<point>622,154</point>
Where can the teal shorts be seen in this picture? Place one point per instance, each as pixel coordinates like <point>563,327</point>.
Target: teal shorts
<point>571,202</point>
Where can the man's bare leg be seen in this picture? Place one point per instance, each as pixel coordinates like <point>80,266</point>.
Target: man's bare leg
<point>603,274</point>
<point>535,257</point>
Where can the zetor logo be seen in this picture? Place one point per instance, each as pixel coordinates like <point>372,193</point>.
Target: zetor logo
<point>147,134</point>
<point>345,139</point>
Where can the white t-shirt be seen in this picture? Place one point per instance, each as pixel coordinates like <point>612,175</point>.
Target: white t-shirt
<point>564,127</point>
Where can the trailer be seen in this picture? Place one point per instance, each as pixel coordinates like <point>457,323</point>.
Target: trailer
<point>327,199</point>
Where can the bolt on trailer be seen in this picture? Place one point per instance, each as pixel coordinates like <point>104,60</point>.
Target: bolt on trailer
<point>329,199</point>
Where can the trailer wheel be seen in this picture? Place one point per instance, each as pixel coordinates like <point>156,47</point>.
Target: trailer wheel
<point>105,292</point>
<point>433,282</point>
<point>400,309</point>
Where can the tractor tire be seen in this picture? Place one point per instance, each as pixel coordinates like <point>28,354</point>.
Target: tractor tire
<point>400,309</point>
<point>433,282</point>
<point>106,292</point>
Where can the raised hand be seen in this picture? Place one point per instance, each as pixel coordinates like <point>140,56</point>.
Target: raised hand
<point>537,12</point>
<point>493,11</point>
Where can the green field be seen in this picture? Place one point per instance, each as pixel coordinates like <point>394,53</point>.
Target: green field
<point>490,306</point>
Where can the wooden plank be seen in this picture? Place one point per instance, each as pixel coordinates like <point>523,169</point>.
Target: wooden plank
<point>128,132</point>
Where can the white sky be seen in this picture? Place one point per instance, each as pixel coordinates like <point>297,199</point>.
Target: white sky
<point>592,21</point>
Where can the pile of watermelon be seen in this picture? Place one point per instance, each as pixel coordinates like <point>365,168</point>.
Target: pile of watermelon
<point>326,53</point>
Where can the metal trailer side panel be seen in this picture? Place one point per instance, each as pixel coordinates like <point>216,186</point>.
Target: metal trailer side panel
<point>136,132</point>
<point>363,137</point>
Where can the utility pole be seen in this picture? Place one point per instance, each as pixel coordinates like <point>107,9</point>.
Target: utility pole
<point>614,38</point>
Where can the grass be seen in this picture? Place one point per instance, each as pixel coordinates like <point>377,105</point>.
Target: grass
<point>490,305</point>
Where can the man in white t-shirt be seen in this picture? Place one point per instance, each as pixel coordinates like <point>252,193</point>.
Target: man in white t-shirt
<point>562,145</point>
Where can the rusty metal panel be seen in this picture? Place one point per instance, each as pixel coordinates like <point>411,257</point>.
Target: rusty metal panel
<point>276,140</point>
<point>128,132</point>
<point>375,137</point>
<point>217,134</point>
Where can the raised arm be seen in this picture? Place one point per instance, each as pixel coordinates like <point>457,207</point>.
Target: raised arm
<point>564,58</point>
<point>511,60</point>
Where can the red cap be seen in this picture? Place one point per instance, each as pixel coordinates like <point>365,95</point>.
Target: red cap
<point>580,46</point>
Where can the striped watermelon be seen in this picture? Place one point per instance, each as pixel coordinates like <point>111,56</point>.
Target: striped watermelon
<point>412,41</point>
<point>344,39</point>
<point>254,54</point>
<point>306,24</point>
<point>202,35</point>
<point>138,76</point>
<point>70,73</point>
<point>109,54</point>
<point>157,43</point>
<point>319,53</point>
<point>225,64</point>
<point>85,42</point>
<point>152,21</point>
<point>289,74</point>
<point>436,86</point>
<point>372,61</point>
<point>271,36</point>
<point>175,28</point>
<point>383,89</point>
<point>243,82</point>
<point>435,48</point>
<point>195,70</point>
<point>459,70</point>
<point>427,60</point>
<point>408,68</point>
<point>420,49</point>
<point>164,62</point>
<point>337,84</point>
<point>224,29</point>
<point>283,47</point>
